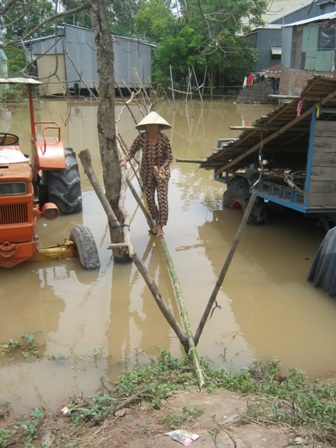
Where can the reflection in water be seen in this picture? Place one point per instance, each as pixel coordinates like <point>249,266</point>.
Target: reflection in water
<point>277,310</point>
<point>136,323</point>
<point>94,323</point>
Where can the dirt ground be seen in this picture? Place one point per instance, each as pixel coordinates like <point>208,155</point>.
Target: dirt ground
<point>219,425</point>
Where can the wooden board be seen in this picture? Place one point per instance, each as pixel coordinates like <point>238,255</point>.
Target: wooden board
<point>322,182</point>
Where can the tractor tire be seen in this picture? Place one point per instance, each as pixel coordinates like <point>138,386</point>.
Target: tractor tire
<point>64,188</point>
<point>237,196</point>
<point>86,247</point>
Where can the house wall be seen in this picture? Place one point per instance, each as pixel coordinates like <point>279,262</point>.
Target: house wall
<point>306,47</point>
<point>266,40</point>
<point>315,57</point>
<point>265,37</point>
<point>51,70</point>
<point>70,60</point>
<point>132,61</point>
<point>80,58</point>
<point>263,40</point>
<point>286,46</point>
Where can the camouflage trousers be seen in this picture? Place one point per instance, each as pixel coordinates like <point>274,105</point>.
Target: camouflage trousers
<point>153,187</point>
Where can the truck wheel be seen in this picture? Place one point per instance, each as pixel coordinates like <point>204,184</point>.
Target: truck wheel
<point>64,188</point>
<point>237,195</point>
<point>86,247</point>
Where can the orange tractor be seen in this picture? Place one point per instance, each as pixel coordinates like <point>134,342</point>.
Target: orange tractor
<point>47,185</point>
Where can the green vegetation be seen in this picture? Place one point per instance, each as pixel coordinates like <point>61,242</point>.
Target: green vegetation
<point>27,347</point>
<point>16,59</point>
<point>178,419</point>
<point>5,435</point>
<point>30,425</point>
<point>284,399</point>
<point>18,20</point>
<point>206,36</point>
<point>92,409</point>
<point>287,399</point>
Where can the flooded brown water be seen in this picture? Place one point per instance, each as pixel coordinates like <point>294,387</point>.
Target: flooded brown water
<point>94,323</point>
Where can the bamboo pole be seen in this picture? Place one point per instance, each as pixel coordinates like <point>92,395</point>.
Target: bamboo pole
<point>204,79</point>
<point>172,84</point>
<point>184,313</point>
<point>225,267</point>
<point>189,84</point>
<point>197,85</point>
<point>160,302</point>
<point>188,345</point>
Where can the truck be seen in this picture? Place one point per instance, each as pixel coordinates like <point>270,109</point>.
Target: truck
<point>46,184</point>
<point>287,156</point>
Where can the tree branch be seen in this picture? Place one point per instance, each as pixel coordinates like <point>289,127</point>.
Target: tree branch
<point>45,22</point>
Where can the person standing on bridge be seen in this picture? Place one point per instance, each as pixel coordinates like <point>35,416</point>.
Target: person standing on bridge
<point>155,166</point>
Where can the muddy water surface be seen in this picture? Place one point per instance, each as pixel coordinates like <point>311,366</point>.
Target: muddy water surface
<point>92,324</point>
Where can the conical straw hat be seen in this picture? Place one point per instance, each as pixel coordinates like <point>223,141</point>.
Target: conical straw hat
<point>153,118</point>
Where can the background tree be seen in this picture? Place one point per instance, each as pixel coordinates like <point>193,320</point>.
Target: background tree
<point>33,19</point>
<point>122,20</point>
<point>120,15</point>
<point>205,35</point>
<point>18,19</point>
<point>80,18</point>
<point>16,60</point>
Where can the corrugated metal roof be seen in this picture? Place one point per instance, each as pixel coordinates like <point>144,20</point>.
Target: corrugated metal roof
<point>273,70</point>
<point>61,32</point>
<point>327,16</point>
<point>291,11</point>
<point>264,27</point>
<point>282,137</point>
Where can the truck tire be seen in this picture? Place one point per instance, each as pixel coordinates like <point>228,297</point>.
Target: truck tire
<point>237,196</point>
<point>64,188</point>
<point>86,247</point>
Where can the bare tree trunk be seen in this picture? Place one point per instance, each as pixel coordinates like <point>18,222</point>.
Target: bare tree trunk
<point>106,118</point>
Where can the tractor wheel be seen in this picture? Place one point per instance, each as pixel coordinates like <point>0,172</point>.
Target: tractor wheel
<point>86,247</point>
<point>237,196</point>
<point>64,188</point>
